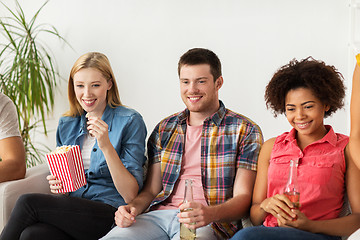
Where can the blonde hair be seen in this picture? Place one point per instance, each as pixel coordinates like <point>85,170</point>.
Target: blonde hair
<point>101,63</point>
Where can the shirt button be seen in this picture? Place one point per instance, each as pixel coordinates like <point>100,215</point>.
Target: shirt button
<point>94,149</point>
<point>177,170</point>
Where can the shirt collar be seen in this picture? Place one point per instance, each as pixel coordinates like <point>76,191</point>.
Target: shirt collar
<point>330,137</point>
<point>216,118</point>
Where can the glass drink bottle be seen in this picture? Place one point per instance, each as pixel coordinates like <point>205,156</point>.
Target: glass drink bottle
<point>186,233</point>
<point>292,187</point>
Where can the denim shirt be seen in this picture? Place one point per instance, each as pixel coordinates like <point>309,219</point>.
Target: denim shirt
<point>127,133</point>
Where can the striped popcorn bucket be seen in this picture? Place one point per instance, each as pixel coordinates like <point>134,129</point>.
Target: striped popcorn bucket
<point>67,167</point>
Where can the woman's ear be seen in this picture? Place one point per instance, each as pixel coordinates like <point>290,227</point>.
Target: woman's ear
<point>110,84</point>
<point>327,108</point>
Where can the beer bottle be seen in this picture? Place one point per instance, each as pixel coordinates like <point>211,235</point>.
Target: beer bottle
<point>186,233</point>
<point>292,187</point>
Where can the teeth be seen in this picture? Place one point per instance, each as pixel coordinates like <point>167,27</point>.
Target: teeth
<point>302,125</point>
<point>194,98</point>
<point>88,101</point>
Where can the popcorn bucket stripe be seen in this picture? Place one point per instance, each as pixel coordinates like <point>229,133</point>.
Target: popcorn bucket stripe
<point>67,170</point>
<point>75,168</point>
<point>71,169</point>
<point>61,166</point>
<point>79,177</point>
<point>50,164</point>
<point>53,166</point>
<point>55,169</point>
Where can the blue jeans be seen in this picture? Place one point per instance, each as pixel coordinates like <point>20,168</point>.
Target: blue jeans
<point>279,233</point>
<point>157,225</point>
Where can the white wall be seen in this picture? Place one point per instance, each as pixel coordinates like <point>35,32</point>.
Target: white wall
<point>145,38</point>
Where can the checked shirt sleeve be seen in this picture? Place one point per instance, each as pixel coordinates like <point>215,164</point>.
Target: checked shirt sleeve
<point>249,148</point>
<point>154,147</point>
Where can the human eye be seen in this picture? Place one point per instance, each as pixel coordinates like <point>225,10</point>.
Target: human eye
<point>79,85</point>
<point>309,106</point>
<point>202,80</point>
<point>96,85</point>
<point>184,81</point>
<point>290,109</point>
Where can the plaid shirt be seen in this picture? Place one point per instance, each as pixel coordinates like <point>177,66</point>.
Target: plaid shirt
<point>229,141</point>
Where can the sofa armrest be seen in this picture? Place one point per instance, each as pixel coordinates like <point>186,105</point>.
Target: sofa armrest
<point>34,182</point>
<point>355,235</point>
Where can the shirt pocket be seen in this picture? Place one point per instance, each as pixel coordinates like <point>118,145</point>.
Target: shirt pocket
<point>316,172</point>
<point>278,170</point>
<point>105,172</point>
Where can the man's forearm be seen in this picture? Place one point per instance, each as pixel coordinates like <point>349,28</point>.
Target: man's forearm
<point>233,209</point>
<point>142,201</point>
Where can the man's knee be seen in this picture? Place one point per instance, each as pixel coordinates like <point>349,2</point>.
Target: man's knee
<point>117,233</point>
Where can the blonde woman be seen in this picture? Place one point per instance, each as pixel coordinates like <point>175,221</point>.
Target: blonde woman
<point>112,142</point>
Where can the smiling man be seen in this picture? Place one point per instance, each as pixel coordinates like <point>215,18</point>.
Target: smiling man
<point>213,146</point>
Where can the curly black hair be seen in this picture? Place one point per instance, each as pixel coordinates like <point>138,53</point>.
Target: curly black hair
<point>325,81</point>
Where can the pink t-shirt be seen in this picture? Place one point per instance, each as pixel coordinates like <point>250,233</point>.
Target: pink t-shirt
<point>321,174</point>
<point>190,169</point>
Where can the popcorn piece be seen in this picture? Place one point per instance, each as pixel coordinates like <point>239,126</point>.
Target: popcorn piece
<point>88,114</point>
<point>62,149</point>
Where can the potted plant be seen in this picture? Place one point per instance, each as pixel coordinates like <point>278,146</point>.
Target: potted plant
<point>28,73</point>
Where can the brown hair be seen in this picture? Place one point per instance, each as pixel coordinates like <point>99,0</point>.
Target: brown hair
<point>325,81</point>
<point>198,56</point>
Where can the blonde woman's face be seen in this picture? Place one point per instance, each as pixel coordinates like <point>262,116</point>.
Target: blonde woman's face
<point>91,90</point>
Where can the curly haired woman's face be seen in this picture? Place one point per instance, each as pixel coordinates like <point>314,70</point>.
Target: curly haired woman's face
<point>305,112</point>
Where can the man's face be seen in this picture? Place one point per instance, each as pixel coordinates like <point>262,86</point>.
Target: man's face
<point>198,89</point>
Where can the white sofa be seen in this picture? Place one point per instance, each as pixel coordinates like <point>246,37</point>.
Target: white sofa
<point>355,235</point>
<point>34,182</point>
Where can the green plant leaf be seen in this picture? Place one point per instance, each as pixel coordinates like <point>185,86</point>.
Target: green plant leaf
<point>28,72</point>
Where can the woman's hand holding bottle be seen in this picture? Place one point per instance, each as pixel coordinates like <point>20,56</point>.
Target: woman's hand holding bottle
<point>279,206</point>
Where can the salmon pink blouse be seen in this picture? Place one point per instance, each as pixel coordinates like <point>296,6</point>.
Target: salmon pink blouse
<point>321,174</point>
